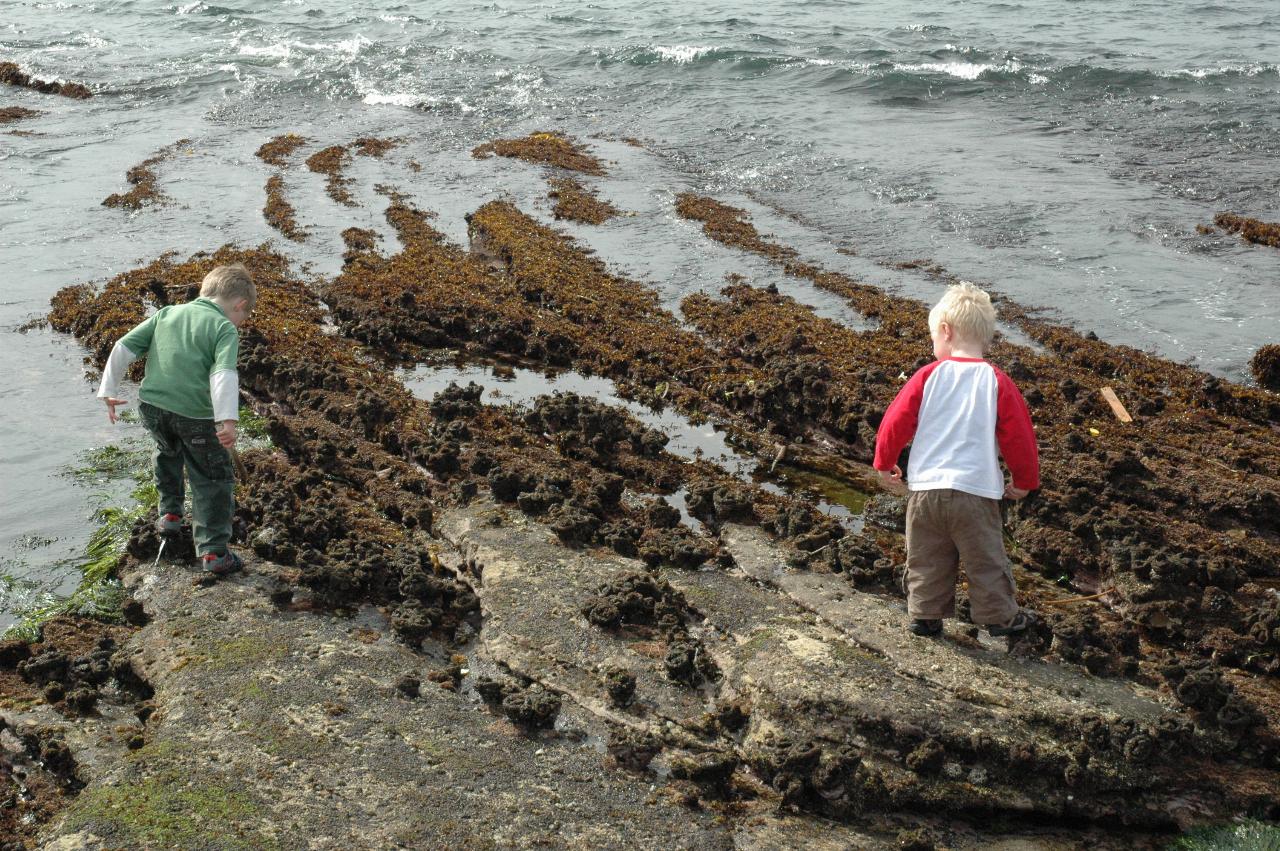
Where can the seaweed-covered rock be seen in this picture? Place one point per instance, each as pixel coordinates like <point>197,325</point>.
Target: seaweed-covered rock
<point>1265,365</point>
<point>633,749</point>
<point>572,524</point>
<point>48,666</point>
<point>13,651</point>
<point>634,598</point>
<point>621,686</point>
<point>887,512</point>
<point>532,708</point>
<point>687,662</point>
<point>712,770</point>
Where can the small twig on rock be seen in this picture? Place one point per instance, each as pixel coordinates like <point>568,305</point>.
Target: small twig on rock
<point>1078,599</point>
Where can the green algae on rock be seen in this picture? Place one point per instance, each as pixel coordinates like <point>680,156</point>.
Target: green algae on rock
<point>553,148</point>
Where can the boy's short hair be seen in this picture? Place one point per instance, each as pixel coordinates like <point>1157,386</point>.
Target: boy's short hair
<point>968,310</point>
<point>230,283</point>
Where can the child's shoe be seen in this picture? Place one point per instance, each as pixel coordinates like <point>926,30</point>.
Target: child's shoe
<point>926,626</point>
<point>1020,622</point>
<point>169,524</point>
<point>221,565</point>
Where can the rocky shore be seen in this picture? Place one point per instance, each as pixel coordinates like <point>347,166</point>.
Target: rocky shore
<point>489,625</point>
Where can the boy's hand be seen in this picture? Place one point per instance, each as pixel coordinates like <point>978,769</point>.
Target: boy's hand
<point>1010,492</point>
<point>891,480</point>
<point>111,406</point>
<point>227,433</point>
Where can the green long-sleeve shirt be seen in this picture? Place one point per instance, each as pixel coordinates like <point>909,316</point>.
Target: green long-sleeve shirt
<point>184,345</point>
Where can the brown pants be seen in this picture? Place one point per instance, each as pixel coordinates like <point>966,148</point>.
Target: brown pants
<point>944,529</point>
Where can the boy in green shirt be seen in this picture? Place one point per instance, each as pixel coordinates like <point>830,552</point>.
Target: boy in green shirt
<point>190,401</point>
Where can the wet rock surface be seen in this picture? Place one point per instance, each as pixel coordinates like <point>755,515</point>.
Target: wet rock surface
<point>340,758</point>
<point>566,603</point>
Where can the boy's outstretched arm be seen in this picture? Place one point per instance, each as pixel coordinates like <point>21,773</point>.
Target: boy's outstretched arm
<point>115,369</point>
<point>127,349</point>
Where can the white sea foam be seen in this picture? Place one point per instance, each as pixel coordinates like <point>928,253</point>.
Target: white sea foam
<point>402,99</point>
<point>682,54</point>
<point>350,46</point>
<point>1200,73</point>
<point>1037,79</point>
<point>190,8</point>
<point>280,51</point>
<point>456,103</point>
<point>522,85</point>
<point>962,70</point>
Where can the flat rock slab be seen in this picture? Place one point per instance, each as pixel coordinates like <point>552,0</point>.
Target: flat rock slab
<point>942,726</point>
<point>285,730</point>
<point>981,676</point>
<point>532,590</point>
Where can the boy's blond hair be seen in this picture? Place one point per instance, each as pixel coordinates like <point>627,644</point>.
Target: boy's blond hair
<point>967,309</point>
<point>230,283</point>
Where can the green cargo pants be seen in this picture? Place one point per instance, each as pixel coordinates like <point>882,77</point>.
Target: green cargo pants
<point>184,442</point>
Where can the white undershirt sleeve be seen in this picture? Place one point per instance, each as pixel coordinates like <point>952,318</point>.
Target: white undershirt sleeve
<point>224,389</point>
<point>117,365</point>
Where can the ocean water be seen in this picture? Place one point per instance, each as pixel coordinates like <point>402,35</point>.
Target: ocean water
<point>1060,151</point>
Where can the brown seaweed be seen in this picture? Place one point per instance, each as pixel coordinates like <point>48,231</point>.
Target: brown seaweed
<point>1265,365</point>
<point>12,75</point>
<point>331,162</point>
<point>579,203</point>
<point>278,150</point>
<point>16,113</point>
<point>1252,230</point>
<point>552,148</point>
<point>143,178</point>
<point>369,146</point>
<point>279,213</point>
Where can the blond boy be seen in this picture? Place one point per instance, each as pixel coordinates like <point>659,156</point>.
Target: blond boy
<point>961,414</point>
<point>189,401</point>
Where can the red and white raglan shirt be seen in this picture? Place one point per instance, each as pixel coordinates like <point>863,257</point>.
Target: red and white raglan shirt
<point>963,414</point>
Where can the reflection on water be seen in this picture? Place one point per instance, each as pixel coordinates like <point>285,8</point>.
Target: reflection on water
<point>520,387</point>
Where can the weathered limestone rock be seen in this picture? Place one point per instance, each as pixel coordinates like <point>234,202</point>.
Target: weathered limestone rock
<point>840,711</point>
<point>286,730</point>
<point>815,720</point>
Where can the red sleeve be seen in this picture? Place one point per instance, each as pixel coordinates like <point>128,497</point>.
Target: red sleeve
<point>1015,435</point>
<point>899,423</point>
